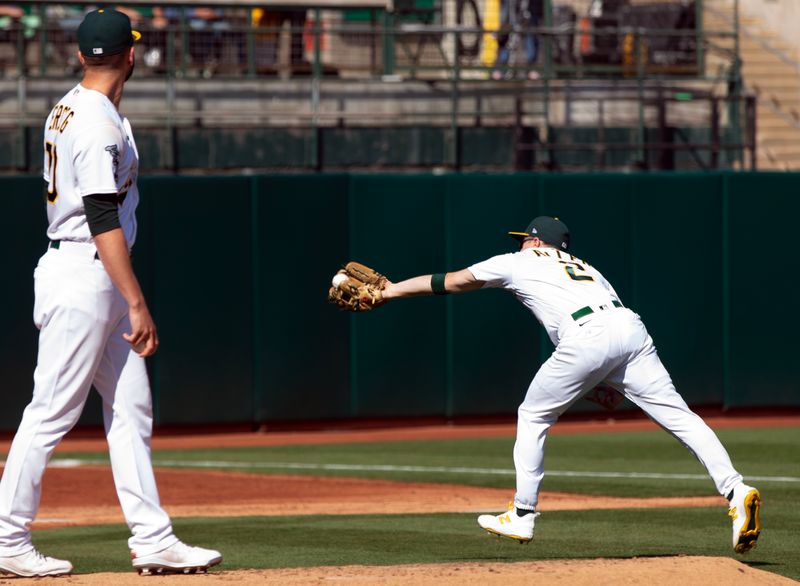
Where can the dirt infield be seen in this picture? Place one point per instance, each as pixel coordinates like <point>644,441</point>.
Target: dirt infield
<point>686,571</point>
<point>85,495</point>
<point>430,432</point>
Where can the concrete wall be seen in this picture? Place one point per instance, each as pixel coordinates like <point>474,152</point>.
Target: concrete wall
<point>782,16</point>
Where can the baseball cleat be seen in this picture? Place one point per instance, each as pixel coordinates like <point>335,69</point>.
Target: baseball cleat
<point>32,564</point>
<point>509,525</point>
<point>744,509</point>
<point>176,559</point>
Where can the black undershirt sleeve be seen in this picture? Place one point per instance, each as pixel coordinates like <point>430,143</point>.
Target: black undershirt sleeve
<point>101,212</point>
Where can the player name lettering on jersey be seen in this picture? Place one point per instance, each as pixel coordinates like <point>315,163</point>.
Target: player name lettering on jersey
<point>56,122</point>
<point>557,254</point>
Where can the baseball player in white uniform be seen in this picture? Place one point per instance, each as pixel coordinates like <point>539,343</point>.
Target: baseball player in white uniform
<point>95,328</point>
<point>597,340</point>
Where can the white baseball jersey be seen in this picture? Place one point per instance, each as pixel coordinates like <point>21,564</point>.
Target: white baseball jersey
<point>607,345</point>
<point>550,283</point>
<point>88,149</point>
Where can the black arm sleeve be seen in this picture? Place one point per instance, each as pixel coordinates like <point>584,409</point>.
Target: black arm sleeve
<point>101,212</point>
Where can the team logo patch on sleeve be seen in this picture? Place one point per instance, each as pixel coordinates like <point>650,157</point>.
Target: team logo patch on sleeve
<point>113,150</point>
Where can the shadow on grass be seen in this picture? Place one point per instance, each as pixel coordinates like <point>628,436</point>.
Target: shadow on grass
<point>757,564</point>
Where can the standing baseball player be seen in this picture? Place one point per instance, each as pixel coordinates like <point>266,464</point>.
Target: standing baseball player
<point>597,340</point>
<point>95,328</point>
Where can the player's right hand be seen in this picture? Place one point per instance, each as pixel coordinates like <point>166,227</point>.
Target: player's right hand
<point>143,336</point>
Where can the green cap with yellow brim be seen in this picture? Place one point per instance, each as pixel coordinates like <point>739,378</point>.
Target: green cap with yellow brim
<point>106,32</point>
<point>549,230</point>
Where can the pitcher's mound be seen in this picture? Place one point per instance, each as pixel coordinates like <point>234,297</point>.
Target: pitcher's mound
<point>686,571</point>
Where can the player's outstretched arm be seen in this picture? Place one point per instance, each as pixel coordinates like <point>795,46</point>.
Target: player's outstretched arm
<point>455,282</point>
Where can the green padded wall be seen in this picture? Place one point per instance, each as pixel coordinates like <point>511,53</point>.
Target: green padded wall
<point>676,277</point>
<point>702,257</point>
<point>22,229</point>
<point>300,238</point>
<point>201,259</point>
<point>495,342</point>
<point>397,224</point>
<point>761,235</point>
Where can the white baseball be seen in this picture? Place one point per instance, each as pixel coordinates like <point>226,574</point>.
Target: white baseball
<point>338,279</point>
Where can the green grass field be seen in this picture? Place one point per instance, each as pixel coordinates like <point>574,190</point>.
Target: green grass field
<point>621,464</point>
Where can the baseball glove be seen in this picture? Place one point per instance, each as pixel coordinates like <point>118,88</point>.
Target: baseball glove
<point>357,288</point>
<point>605,396</point>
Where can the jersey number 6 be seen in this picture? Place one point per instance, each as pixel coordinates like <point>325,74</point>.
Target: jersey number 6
<point>570,267</point>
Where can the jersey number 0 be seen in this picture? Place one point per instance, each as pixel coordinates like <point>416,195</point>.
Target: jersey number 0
<point>52,162</point>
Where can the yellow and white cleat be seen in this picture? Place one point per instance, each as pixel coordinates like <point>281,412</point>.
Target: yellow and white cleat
<point>744,509</point>
<point>510,525</point>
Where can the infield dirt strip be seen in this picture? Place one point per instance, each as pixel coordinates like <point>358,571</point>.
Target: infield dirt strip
<point>85,495</point>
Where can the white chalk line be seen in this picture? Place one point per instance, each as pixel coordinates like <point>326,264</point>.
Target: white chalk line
<point>71,463</point>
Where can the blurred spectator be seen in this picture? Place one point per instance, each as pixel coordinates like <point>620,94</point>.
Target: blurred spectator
<point>205,38</point>
<point>11,11</point>
<point>152,23</point>
<point>267,43</point>
<point>64,34</point>
<point>518,14</point>
<point>137,15</point>
<point>207,33</point>
<point>10,16</point>
<point>205,28</point>
<point>155,56</point>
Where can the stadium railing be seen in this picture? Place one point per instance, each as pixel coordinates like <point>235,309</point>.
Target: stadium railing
<point>352,62</point>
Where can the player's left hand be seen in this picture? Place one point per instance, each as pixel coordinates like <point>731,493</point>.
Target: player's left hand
<point>387,292</point>
<point>357,287</point>
<point>143,337</point>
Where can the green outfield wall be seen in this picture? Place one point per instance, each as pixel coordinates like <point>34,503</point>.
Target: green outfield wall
<point>236,270</point>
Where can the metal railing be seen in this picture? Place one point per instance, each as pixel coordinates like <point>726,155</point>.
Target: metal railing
<point>387,68</point>
<point>596,125</point>
<point>370,43</point>
<point>720,146</point>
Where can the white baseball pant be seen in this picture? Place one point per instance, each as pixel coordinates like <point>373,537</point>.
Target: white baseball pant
<point>614,347</point>
<point>81,316</point>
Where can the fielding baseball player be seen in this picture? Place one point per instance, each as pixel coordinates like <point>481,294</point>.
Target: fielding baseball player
<point>597,340</point>
<point>95,328</point>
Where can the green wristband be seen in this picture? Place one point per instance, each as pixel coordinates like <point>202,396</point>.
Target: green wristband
<point>437,284</point>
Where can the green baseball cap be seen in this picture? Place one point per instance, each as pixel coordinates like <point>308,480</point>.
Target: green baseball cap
<point>106,32</point>
<point>550,230</point>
